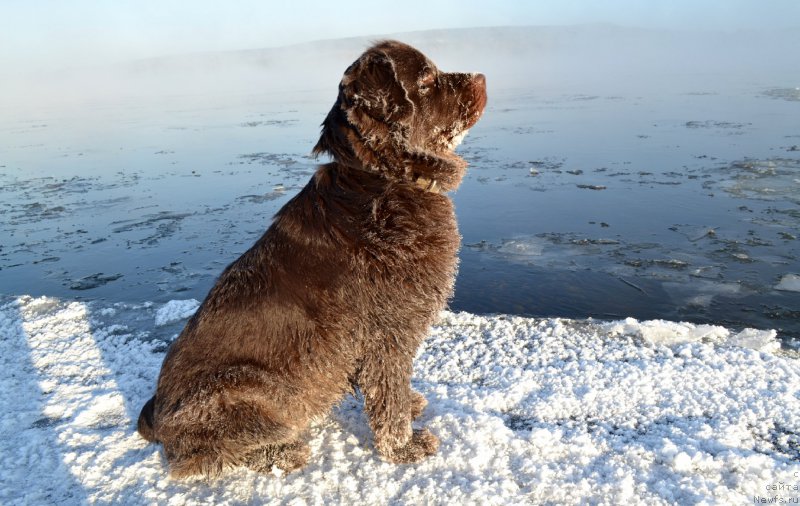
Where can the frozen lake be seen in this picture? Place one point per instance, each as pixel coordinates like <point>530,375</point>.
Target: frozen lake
<point>650,175</point>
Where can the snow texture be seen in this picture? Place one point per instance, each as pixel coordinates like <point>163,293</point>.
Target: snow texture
<point>175,310</point>
<point>528,411</point>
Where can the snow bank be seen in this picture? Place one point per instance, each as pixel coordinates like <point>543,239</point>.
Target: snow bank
<point>175,310</point>
<point>528,411</point>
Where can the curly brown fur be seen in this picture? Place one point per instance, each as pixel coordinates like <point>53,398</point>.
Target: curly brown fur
<point>339,291</point>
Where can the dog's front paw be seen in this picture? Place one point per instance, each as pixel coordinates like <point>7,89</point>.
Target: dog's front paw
<point>422,444</point>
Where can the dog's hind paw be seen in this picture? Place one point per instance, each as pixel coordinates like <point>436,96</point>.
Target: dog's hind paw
<point>286,457</point>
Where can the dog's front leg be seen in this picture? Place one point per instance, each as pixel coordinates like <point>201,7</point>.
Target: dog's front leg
<point>385,381</point>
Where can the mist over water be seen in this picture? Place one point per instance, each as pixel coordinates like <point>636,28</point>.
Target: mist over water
<point>535,58</point>
<point>616,172</point>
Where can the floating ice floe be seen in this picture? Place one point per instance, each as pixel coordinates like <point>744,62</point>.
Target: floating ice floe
<point>789,283</point>
<point>773,179</point>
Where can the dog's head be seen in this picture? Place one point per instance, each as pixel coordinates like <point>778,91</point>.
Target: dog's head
<point>398,115</point>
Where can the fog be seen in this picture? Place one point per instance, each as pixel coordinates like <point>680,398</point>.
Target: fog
<point>44,34</point>
<point>588,58</point>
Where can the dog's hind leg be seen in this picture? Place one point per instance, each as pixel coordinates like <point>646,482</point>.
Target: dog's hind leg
<point>226,439</point>
<point>207,463</point>
<point>211,460</point>
<point>287,457</point>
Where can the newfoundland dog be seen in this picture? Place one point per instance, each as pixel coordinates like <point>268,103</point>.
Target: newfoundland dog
<point>341,289</point>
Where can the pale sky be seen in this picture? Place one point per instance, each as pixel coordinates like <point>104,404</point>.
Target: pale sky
<point>53,34</point>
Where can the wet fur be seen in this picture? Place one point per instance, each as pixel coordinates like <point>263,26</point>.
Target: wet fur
<point>340,290</point>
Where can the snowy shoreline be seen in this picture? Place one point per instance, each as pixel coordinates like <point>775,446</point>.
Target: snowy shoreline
<point>528,411</point>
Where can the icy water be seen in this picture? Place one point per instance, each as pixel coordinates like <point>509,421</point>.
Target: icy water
<point>680,203</point>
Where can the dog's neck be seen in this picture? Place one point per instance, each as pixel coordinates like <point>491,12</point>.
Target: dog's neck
<point>359,142</point>
<point>429,185</point>
<point>433,172</point>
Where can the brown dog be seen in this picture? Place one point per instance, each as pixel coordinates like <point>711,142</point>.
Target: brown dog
<point>340,290</point>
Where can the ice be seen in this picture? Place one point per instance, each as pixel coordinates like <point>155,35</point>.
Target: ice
<point>789,283</point>
<point>788,94</point>
<point>759,340</point>
<point>175,310</point>
<point>770,179</point>
<point>666,332</point>
<point>701,292</point>
<point>528,411</point>
<point>93,281</point>
<point>527,247</point>
<point>660,332</point>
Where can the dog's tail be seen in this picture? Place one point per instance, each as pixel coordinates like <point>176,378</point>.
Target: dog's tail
<point>145,425</point>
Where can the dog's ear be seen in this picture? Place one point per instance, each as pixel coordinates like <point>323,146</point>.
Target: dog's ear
<point>371,85</point>
<point>371,103</point>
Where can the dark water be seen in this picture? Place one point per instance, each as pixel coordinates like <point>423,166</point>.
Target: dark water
<point>679,203</point>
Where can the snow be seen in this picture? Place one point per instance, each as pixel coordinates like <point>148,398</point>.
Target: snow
<point>527,410</point>
<point>175,310</point>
